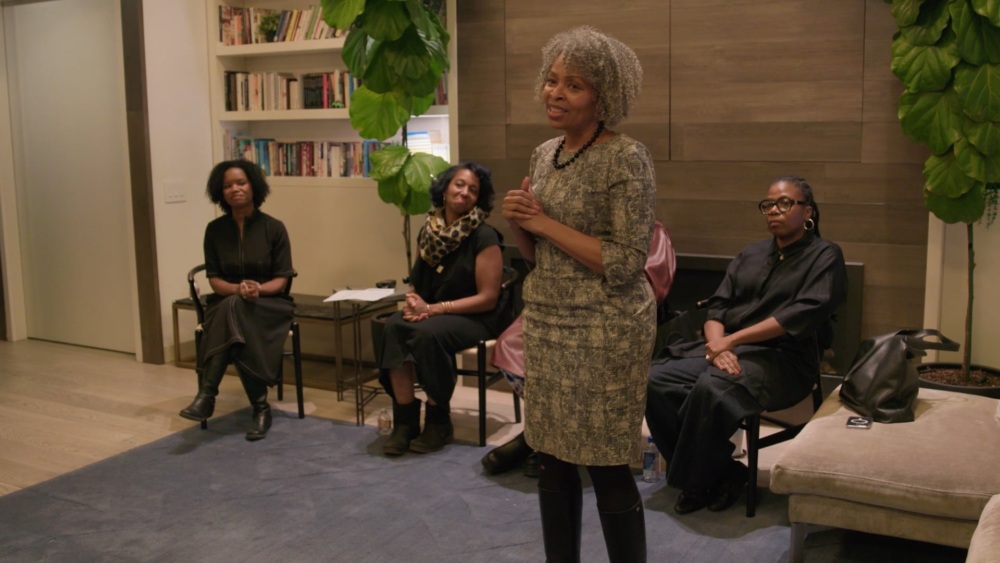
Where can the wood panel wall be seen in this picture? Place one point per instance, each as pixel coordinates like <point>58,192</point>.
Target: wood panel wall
<point>734,95</point>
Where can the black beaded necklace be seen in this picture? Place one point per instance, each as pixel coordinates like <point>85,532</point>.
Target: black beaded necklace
<point>555,157</point>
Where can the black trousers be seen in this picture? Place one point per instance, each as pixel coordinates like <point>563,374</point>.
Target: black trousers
<point>692,410</point>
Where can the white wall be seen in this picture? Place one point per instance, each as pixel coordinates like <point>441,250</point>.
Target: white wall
<point>180,143</point>
<point>946,299</point>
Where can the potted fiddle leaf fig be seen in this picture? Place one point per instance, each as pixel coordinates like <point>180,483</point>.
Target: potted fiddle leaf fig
<point>398,49</point>
<point>947,54</point>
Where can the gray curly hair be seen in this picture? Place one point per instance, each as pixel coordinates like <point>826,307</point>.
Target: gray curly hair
<point>606,63</point>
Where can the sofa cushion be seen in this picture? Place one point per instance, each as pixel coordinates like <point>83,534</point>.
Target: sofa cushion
<point>985,545</point>
<point>945,463</point>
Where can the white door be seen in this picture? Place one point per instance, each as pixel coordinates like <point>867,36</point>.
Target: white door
<point>65,71</point>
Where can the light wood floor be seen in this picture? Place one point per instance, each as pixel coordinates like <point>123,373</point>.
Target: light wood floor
<point>64,407</point>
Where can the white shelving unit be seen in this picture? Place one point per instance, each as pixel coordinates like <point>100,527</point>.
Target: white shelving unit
<point>299,58</point>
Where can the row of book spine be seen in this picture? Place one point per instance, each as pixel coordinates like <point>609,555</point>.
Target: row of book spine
<point>241,26</point>
<point>320,159</point>
<point>276,91</point>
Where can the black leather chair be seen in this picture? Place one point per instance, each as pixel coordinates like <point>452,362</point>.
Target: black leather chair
<point>296,352</point>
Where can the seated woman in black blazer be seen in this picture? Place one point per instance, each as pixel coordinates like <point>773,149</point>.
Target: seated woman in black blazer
<point>760,352</point>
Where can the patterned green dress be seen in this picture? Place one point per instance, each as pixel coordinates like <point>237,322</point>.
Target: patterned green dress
<point>588,338</point>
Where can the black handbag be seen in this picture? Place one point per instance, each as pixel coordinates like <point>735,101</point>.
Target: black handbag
<point>882,382</point>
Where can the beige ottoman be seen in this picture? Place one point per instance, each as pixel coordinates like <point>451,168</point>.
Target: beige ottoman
<point>925,480</point>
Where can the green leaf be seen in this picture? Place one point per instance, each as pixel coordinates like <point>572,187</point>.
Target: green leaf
<point>407,55</point>
<point>388,161</point>
<point>989,9</point>
<point>421,104</point>
<point>978,89</point>
<point>393,190</point>
<point>422,168</point>
<point>416,202</point>
<point>924,68</point>
<point>933,19</point>
<point>932,118</point>
<point>978,40</point>
<point>378,116</point>
<point>340,14</point>
<point>984,136</point>
<point>422,17</point>
<point>967,208</point>
<point>906,11</point>
<point>975,164</point>
<point>945,177</point>
<point>379,76</point>
<point>386,20</point>
<point>355,51</point>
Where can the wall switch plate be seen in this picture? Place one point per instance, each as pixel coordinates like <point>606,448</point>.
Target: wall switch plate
<point>173,191</point>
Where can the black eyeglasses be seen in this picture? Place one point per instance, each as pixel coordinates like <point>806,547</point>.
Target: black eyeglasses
<point>783,203</point>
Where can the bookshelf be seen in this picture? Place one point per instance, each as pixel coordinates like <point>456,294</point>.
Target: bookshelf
<point>295,59</point>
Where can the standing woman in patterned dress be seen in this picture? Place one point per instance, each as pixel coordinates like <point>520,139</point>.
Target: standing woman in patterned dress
<point>585,216</point>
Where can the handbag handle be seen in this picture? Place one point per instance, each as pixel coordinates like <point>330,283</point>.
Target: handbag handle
<point>917,338</point>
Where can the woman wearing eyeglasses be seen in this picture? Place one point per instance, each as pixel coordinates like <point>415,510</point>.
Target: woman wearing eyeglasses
<point>766,325</point>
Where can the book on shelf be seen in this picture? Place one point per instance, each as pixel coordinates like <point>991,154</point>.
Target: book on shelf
<point>322,158</point>
<point>241,25</point>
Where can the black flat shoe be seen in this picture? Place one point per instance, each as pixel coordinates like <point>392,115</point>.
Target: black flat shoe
<point>691,500</point>
<point>725,493</point>
<point>507,456</point>
<point>530,467</point>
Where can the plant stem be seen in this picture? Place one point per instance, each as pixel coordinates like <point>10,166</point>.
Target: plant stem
<point>406,241</point>
<point>967,356</point>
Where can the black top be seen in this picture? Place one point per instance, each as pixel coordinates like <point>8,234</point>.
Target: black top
<point>800,286</point>
<point>455,276</point>
<point>262,255</point>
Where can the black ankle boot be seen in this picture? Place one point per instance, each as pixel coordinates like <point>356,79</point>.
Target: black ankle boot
<point>257,393</point>
<point>625,534</point>
<point>562,513</point>
<point>438,430</point>
<point>261,422</point>
<point>203,405</point>
<point>507,456</point>
<point>405,427</point>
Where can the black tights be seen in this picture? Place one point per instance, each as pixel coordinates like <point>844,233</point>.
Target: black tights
<point>614,485</point>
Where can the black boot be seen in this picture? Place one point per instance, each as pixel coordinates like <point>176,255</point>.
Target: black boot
<point>625,534</point>
<point>562,513</point>
<point>438,430</point>
<point>507,456</point>
<point>405,427</point>
<point>257,393</point>
<point>203,405</point>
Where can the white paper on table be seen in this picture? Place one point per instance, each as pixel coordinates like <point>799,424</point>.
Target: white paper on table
<point>370,294</point>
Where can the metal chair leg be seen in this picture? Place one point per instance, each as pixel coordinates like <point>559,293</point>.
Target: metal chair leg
<point>297,359</point>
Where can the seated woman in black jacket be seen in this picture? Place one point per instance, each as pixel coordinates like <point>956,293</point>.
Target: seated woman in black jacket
<point>760,349</point>
<point>248,261</point>
<point>453,305</point>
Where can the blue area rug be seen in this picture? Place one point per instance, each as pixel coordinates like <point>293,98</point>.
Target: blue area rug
<point>320,490</point>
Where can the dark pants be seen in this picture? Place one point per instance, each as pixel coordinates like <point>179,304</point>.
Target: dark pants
<point>431,345</point>
<point>692,410</point>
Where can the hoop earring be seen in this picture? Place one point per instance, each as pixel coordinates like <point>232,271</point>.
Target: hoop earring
<point>809,224</point>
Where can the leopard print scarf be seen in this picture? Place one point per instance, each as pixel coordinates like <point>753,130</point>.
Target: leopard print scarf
<point>437,240</point>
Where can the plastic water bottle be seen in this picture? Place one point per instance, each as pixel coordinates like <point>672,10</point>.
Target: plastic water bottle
<point>650,462</point>
<point>384,422</point>
<point>739,449</point>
